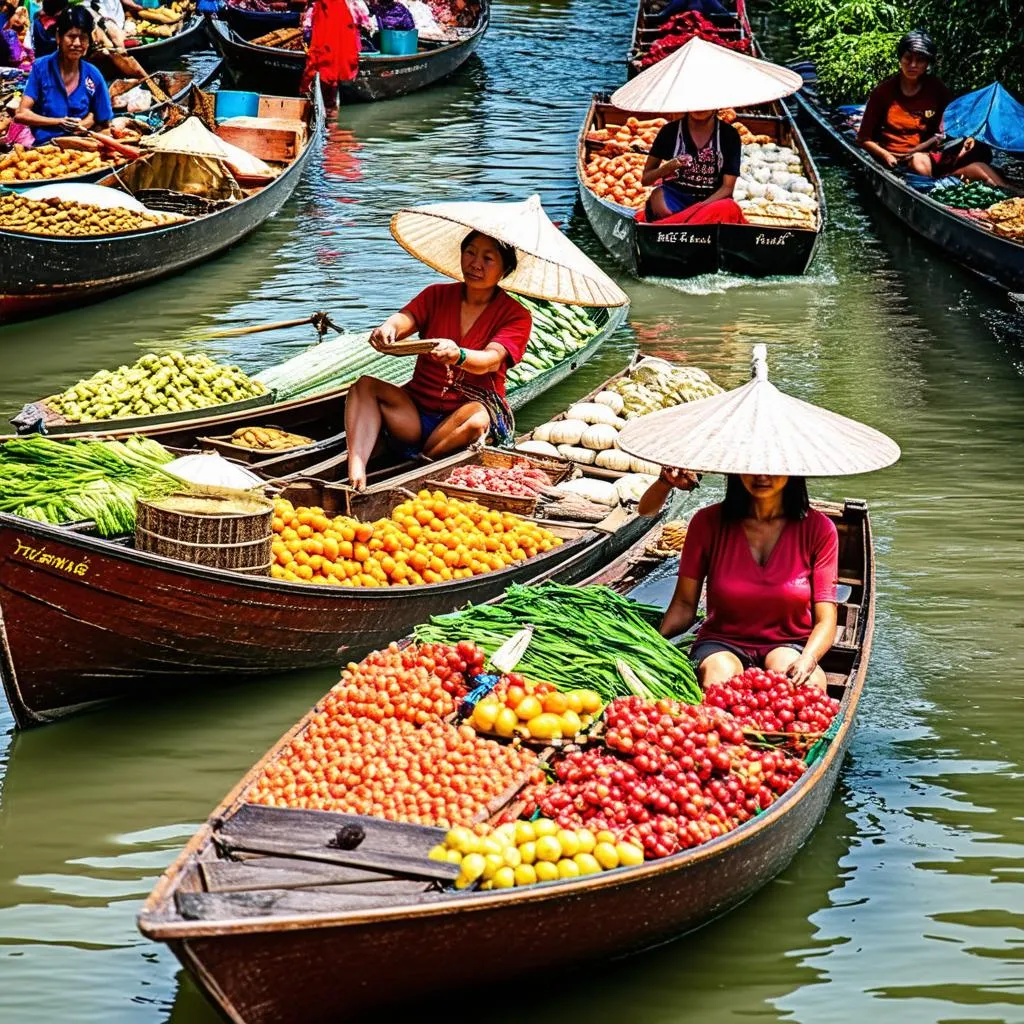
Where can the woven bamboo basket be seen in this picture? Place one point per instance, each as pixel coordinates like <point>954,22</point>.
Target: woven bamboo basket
<point>219,531</point>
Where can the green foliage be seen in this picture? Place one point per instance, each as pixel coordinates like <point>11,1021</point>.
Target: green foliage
<point>850,66</point>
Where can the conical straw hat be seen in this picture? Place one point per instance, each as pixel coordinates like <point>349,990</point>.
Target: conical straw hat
<point>550,266</point>
<point>758,429</point>
<point>703,76</point>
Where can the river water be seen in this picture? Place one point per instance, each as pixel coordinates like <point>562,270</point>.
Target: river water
<point>907,904</point>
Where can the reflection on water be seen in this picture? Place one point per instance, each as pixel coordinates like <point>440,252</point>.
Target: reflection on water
<point>907,902</point>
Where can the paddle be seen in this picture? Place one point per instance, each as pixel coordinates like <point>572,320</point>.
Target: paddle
<point>118,147</point>
<point>321,321</point>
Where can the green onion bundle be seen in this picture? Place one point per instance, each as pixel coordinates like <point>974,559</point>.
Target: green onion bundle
<point>68,481</point>
<point>580,633</point>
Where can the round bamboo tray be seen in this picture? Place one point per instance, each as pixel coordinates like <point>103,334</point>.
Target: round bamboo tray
<point>219,531</point>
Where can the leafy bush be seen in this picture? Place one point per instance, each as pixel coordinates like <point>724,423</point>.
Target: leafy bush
<point>850,66</point>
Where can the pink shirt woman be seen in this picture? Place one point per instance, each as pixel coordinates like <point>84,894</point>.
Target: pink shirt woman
<point>771,565</point>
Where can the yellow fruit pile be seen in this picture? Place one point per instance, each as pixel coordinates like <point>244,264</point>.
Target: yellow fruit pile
<point>427,539</point>
<point>47,162</point>
<point>69,219</point>
<point>535,711</point>
<point>526,852</point>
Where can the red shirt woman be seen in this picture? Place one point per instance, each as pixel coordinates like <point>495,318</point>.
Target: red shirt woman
<point>771,566</point>
<point>484,331</point>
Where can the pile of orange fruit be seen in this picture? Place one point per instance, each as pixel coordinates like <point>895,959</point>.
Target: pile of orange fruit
<point>427,539</point>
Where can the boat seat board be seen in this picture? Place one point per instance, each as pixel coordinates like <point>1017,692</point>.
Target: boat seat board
<point>281,873</point>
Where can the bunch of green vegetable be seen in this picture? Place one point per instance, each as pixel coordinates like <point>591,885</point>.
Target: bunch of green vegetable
<point>69,481</point>
<point>656,384</point>
<point>580,634</point>
<point>559,330</point>
<point>968,195</point>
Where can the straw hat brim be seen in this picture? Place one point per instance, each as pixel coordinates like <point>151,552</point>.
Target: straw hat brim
<point>549,267</point>
<point>703,76</point>
<point>757,429</point>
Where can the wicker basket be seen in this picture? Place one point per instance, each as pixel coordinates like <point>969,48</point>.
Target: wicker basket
<point>498,458</point>
<point>208,529</point>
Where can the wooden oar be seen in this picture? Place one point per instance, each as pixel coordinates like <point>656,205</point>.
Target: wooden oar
<point>321,321</point>
<point>118,147</point>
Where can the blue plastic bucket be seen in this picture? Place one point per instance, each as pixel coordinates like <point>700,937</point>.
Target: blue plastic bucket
<point>230,103</point>
<point>399,42</point>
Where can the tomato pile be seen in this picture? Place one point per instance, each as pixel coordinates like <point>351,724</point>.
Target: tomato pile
<point>520,707</point>
<point>771,702</point>
<point>680,29</point>
<point>672,776</point>
<point>524,481</point>
<point>378,745</point>
<point>427,539</point>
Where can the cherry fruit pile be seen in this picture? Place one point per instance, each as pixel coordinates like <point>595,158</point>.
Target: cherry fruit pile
<point>771,702</point>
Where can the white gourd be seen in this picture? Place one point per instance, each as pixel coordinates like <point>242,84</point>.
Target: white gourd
<point>641,466</point>
<point>795,167</point>
<point>785,153</point>
<point>773,193</point>
<point>576,454</point>
<point>740,191</point>
<point>537,447</point>
<point>600,491</point>
<point>756,188</point>
<point>618,423</point>
<point>631,487</point>
<point>778,165</point>
<point>590,412</point>
<point>781,178</point>
<point>762,173</point>
<point>612,399</point>
<point>599,436</point>
<point>543,432</point>
<point>612,458</point>
<point>801,185</point>
<point>568,431</point>
<point>752,149</point>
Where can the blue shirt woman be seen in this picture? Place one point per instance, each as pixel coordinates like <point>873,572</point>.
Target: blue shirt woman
<point>64,93</point>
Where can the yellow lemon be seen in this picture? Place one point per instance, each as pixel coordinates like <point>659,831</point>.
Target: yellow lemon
<point>568,841</point>
<point>473,865</point>
<point>528,852</point>
<point>586,840</point>
<point>629,855</point>
<point>526,874</point>
<point>547,870</point>
<point>544,827</point>
<point>549,848</point>
<point>606,855</point>
<point>493,861</point>
<point>504,878</point>
<point>568,868</point>
<point>438,853</point>
<point>453,857</point>
<point>586,862</point>
<point>513,858</point>
<point>524,832</point>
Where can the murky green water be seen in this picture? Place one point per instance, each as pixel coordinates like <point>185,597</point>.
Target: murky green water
<point>907,904</point>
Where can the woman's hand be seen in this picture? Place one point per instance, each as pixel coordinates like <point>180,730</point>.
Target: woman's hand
<point>889,159</point>
<point>681,478</point>
<point>446,351</point>
<point>70,124</point>
<point>383,335</point>
<point>801,670</point>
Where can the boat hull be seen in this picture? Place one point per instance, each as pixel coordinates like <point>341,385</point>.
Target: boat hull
<point>41,275</point>
<point>997,260</point>
<point>83,621</point>
<point>379,78</point>
<point>154,56</point>
<point>251,24</point>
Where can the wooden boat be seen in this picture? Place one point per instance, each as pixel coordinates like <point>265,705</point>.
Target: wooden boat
<point>264,936</point>
<point>176,84</point>
<point>85,620</point>
<point>190,37</point>
<point>648,27</point>
<point>321,416</point>
<point>967,241</point>
<point>678,251</point>
<point>380,77</point>
<point>40,274</point>
<point>248,24</point>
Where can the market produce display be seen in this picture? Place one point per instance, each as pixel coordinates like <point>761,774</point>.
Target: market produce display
<point>378,745</point>
<point>771,702</point>
<point>559,329</point>
<point>614,171</point>
<point>68,219</point>
<point>517,706</point>
<point>772,189</point>
<point>526,852</point>
<point>267,438</point>
<point>70,481</point>
<point>580,634</point>
<point>153,384</point>
<point>1008,218</point>
<point>153,23</point>
<point>47,161</point>
<point>427,539</point>
<point>524,481</point>
<point>967,195</point>
<point>588,433</point>
<point>671,776</point>
<point>678,30</point>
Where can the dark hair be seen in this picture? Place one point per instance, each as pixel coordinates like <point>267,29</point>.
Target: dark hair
<point>509,260</point>
<point>917,41</point>
<point>75,17</point>
<point>51,8</point>
<point>796,503</point>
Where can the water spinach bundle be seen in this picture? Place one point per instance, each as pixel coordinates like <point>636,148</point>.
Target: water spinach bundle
<point>580,634</point>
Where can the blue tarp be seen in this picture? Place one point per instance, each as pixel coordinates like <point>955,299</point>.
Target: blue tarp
<point>990,115</point>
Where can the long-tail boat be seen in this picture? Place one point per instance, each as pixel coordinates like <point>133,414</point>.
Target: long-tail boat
<point>304,933</point>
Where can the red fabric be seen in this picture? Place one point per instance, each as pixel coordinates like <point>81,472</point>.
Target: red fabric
<point>437,311</point>
<point>334,47</point>
<point>721,211</point>
<point>751,605</point>
<point>899,123</point>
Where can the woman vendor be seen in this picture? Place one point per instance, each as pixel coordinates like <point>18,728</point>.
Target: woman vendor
<point>64,93</point>
<point>771,565</point>
<point>902,121</point>
<point>695,162</point>
<point>445,407</point>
